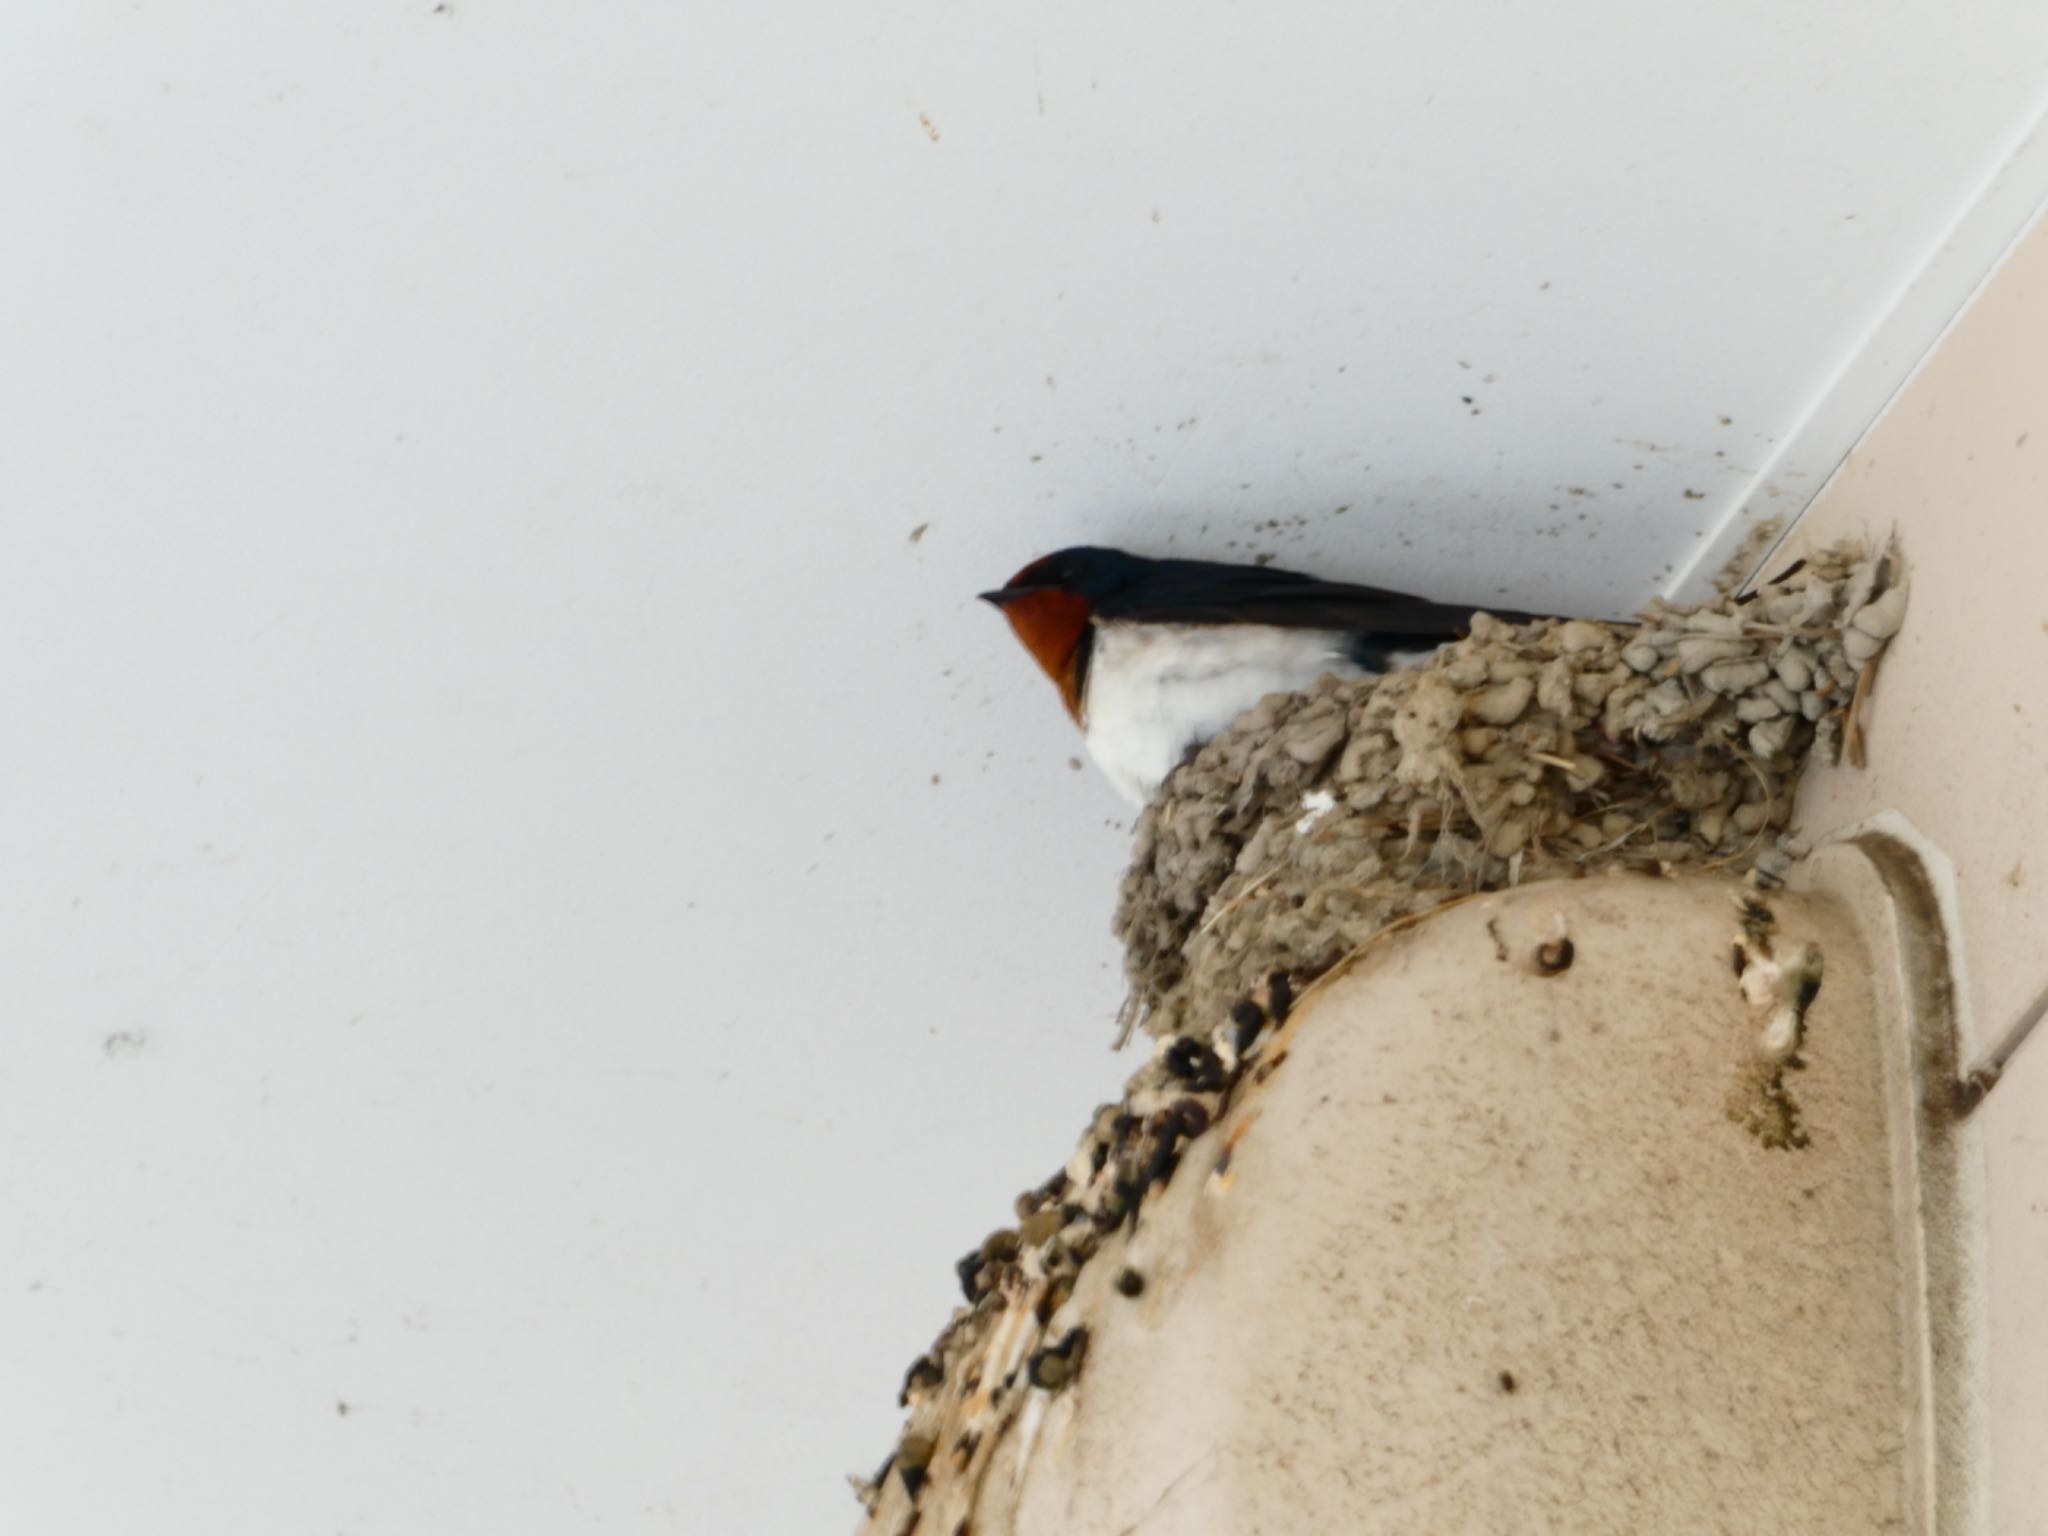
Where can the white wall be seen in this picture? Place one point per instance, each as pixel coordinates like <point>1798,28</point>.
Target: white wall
<point>483,942</point>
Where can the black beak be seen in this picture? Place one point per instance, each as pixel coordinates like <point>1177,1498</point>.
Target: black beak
<point>1003,595</point>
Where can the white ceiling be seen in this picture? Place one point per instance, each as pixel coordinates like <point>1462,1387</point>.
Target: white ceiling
<point>534,909</point>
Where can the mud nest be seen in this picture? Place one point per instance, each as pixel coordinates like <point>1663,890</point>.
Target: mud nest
<point>1521,752</point>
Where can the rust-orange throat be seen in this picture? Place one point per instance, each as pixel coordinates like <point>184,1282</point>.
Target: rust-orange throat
<point>1053,626</point>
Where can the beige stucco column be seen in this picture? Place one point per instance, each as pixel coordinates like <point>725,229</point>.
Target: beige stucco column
<point>1499,1247</point>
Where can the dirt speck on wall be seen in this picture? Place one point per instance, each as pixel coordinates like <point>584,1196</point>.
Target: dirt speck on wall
<point>1761,539</point>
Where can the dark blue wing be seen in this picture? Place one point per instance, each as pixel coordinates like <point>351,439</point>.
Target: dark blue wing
<point>1209,592</point>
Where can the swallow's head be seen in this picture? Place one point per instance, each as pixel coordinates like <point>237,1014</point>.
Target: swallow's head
<point>1050,603</point>
<point>1084,570</point>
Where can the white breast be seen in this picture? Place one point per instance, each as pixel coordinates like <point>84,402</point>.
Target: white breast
<point>1154,690</point>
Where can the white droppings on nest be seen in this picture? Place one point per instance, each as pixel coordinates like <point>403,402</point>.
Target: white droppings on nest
<point>1779,988</point>
<point>1780,992</point>
<point>1315,805</point>
<point>1551,748</point>
<point>1029,1422</point>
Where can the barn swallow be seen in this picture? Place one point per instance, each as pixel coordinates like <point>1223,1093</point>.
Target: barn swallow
<point>1154,657</point>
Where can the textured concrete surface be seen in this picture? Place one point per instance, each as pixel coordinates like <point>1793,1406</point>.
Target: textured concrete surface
<point>1489,1254</point>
